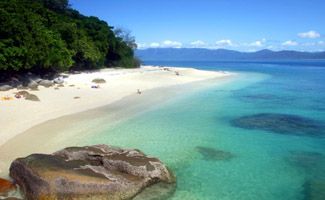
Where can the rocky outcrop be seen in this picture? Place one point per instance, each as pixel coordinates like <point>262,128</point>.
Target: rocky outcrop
<point>30,81</point>
<point>94,172</point>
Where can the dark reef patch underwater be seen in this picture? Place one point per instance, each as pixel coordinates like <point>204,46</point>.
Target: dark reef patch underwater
<point>313,165</point>
<point>211,154</point>
<point>281,124</point>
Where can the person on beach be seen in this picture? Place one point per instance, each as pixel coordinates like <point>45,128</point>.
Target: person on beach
<point>139,91</point>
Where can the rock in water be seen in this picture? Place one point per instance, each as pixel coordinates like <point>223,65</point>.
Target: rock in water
<point>94,172</point>
<point>214,154</point>
<point>314,190</point>
<point>281,124</point>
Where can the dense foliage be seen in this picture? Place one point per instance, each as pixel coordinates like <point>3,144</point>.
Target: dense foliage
<point>42,35</point>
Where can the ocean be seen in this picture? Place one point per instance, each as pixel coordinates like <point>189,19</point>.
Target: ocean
<point>258,137</point>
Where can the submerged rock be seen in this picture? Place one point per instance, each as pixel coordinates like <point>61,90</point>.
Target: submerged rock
<point>307,160</point>
<point>94,172</point>
<point>214,154</point>
<point>281,124</point>
<point>314,190</point>
<point>313,165</point>
<point>160,191</point>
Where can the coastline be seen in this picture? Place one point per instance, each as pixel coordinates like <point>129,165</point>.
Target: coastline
<point>157,85</point>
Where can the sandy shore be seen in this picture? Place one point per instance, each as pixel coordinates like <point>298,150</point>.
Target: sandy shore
<point>18,115</point>
<point>27,125</point>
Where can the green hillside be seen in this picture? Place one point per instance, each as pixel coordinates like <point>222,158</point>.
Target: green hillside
<point>47,35</point>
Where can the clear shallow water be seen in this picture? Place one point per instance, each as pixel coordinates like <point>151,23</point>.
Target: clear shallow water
<point>212,158</point>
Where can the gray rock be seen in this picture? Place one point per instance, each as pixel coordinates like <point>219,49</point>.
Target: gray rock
<point>99,81</point>
<point>15,82</point>
<point>46,83</point>
<point>58,80</point>
<point>94,172</point>
<point>37,80</point>
<point>64,75</point>
<point>5,87</point>
<point>33,85</point>
<point>28,96</point>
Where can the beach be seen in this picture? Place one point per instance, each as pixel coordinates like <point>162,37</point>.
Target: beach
<point>144,86</point>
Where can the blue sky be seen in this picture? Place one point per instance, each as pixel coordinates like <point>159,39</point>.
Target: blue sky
<point>246,25</point>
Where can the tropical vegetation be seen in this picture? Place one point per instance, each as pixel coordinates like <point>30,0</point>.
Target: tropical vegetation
<point>48,35</point>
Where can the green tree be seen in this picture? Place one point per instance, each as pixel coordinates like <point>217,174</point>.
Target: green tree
<point>48,35</point>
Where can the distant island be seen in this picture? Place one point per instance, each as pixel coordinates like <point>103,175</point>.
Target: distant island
<point>200,54</point>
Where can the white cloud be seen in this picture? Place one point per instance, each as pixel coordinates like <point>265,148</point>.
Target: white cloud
<point>164,44</point>
<point>141,45</point>
<point>290,43</point>
<point>257,43</point>
<point>198,43</point>
<point>171,44</point>
<point>154,45</point>
<point>309,34</point>
<point>224,43</point>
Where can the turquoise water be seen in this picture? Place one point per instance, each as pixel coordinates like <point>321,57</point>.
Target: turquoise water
<point>215,159</point>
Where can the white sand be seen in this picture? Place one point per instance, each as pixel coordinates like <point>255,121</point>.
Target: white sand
<point>19,115</point>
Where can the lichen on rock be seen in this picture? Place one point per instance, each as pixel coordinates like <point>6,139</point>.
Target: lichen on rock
<point>92,172</point>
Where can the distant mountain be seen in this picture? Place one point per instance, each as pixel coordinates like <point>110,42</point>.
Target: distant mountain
<point>198,54</point>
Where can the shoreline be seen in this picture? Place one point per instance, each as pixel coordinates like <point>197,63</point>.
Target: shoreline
<point>121,107</point>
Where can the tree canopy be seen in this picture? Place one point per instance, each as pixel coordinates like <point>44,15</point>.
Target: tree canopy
<point>49,35</point>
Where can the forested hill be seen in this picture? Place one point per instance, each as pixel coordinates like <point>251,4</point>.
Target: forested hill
<point>44,35</point>
<point>197,54</point>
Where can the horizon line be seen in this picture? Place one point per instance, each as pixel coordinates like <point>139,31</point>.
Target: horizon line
<point>211,49</point>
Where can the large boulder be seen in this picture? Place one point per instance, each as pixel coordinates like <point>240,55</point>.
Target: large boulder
<point>93,172</point>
